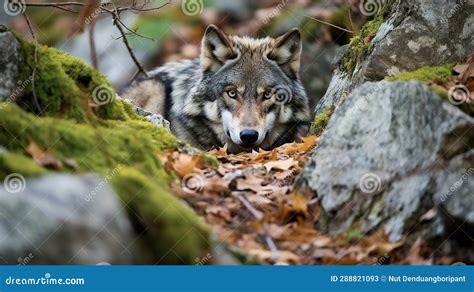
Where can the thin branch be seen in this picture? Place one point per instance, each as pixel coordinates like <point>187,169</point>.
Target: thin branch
<point>117,21</point>
<point>33,75</point>
<point>134,31</point>
<point>330,24</point>
<point>259,216</point>
<point>134,76</point>
<point>127,45</point>
<point>143,9</point>
<point>350,19</point>
<point>57,5</point>
<point>93,49</point>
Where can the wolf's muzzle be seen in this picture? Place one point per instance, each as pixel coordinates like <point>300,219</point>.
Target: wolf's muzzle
<point>248,136</point>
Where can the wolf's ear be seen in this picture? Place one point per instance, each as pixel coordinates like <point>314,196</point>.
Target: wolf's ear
<point>287,52</point>
<point>216,48</point>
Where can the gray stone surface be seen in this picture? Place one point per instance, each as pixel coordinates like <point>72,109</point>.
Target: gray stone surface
<point>416,34</point>
<point>388,148</point>
<point>420,33</point>
<point>9,60</point>
<point>156,119</point>
<point>63,219</point>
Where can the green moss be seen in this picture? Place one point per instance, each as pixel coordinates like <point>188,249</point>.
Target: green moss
<point>169,228</point>
<point>433,76</point>
<point>210,159</point>
<point>353,235</point>
<point>100,148</point>
<point>425,74</point>
<point>107,138</point>
<point>65,86</point>
<point>321,121</point>
<point>17,163</point>
<point>127,151</point>
<point>360,45</point>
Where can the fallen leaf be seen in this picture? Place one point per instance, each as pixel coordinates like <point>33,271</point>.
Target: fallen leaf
<point>185,164</point>
<point>44,158</point>
<point>280,164</point>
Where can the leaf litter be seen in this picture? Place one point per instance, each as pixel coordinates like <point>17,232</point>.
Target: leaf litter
<point>253,208</point>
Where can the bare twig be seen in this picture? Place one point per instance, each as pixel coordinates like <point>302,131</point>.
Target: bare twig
<point>127,45</point>
<point>134,32</point>
<point>330,24</point>
<point>259,216</point>
<point>33,75</point>
<point>60,6</point>
<point>93,49</point>
<point>350,19</point>
<point>117,21</point>
<point>143,9</point>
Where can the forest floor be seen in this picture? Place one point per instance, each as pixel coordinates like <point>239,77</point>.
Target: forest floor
<point>255,211</point>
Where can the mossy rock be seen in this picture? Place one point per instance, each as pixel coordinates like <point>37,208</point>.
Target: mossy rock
<point>170,229</point>
<point>65,86</point>
<point>360,45</point>
<point>175,234</point>
<point>11,162</point>
<point>426,74</point>
<point>321,121</point>
<point>96,148</point>
<point>78,121</point>
<point>432,76</point>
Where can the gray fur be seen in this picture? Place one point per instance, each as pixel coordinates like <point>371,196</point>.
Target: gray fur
<point>194,95</point>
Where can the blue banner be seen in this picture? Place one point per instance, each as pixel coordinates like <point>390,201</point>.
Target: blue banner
<point>238,278</point>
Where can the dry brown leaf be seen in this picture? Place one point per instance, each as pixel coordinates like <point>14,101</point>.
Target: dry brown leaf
<point>266,255</point>
<point>219,211</point>
<point>250,182</point>
<point>44,158</point>
<point>215,185</point>
<point>185,164</point>
<point>285,164</point>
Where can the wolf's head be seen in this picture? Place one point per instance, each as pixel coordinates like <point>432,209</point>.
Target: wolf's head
<point>252,89</point>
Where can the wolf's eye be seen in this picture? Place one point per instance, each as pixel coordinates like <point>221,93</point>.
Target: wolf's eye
<point>268,94</point>
<point>232,93</point>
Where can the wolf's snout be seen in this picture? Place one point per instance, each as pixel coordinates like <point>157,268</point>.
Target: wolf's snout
<point>248,136</point>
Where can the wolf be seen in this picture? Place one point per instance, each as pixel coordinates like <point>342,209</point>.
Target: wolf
<point>244,92</point>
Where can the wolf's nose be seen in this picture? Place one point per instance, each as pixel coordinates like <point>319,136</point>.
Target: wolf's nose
<point>248,136</point>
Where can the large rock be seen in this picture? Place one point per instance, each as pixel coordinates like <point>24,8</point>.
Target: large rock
<point>9,60</point>
<point>63,219</point>
<point>390,152</point>
<point>414,34</point>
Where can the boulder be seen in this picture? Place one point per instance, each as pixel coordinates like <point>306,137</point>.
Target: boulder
<point>404,36</point>
<point>9,60</point>
<point>155,119</point>
<point>63,219</point>
<point>389,153</point>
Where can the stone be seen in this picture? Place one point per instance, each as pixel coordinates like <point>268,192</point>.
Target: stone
<point>63,219</point>
<point>9,60</point>
<point>382,150</point>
